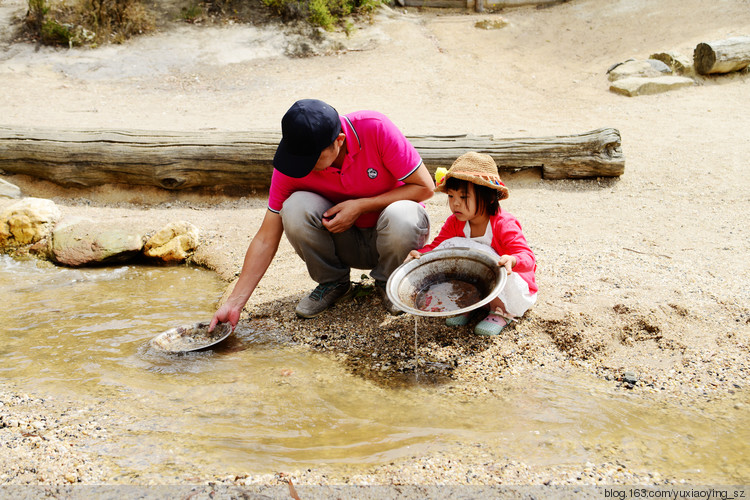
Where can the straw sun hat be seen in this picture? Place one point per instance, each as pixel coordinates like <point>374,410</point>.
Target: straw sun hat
<point>478,168</point>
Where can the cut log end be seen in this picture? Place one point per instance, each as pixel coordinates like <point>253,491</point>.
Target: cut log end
<point>704,58</point>
<point>722,56</point>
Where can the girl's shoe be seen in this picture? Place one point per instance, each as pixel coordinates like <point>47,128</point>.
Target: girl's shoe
<point>493,324</point>
<point>460,320</point>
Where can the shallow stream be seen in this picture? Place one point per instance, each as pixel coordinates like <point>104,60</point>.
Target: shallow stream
<point>260,404</point>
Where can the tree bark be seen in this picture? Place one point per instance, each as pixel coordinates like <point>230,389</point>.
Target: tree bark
<point>722,56</point>
<point>592,154</point>
<point>181,160</point>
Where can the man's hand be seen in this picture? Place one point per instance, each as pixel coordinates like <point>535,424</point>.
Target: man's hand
<point>341,217</point>
<point>226,314</point>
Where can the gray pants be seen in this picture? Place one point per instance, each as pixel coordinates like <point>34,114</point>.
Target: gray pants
<point>401,227</point>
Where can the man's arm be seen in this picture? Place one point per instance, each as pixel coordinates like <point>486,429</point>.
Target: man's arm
<point>258,257</point>
<point>417,187</point>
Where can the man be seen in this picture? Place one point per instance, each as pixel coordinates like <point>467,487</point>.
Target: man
<point>346,190</point>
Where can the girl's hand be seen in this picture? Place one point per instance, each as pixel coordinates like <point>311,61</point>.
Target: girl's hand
<point>412,255</point>
<point>508,262</point>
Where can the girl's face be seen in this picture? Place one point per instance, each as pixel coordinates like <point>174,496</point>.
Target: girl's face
<point>463,204</point>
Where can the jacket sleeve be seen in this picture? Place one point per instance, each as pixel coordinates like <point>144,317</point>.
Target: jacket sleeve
<point>509,240</point>
<point>449,230</point>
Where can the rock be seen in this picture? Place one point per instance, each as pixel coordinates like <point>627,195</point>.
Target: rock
<point>173,243</point>
<point>8,190</point>
<point>680,64</point>
<point>659,66</point>
<point>80,242</point>
<point>27,222</point>
<point>643,86</point>
<point>647,69</point>
<point>629,378</point>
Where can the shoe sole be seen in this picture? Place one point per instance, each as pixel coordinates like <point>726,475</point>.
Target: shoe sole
<point>310,316</point>
<point>487,333</point>
<point>458,322</point>
<point>489,328</point>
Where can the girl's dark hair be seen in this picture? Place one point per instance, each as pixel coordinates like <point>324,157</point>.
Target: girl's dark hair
<point>486,197</point>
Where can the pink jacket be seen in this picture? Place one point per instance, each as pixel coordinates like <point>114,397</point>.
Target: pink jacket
<point>507,239</point>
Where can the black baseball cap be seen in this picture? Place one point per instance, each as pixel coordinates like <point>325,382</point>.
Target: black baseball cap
<point>307,129</point>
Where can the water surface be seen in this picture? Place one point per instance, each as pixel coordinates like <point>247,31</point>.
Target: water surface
<point>259,403</point>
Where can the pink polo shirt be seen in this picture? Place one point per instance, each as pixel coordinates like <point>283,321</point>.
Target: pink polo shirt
<point>378,158</point>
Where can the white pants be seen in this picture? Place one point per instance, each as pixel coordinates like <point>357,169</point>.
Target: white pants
<point>515,295</point>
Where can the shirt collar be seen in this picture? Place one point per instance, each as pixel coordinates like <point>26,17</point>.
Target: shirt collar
<point>353,144</point>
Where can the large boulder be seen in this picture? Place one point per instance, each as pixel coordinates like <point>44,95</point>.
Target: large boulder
<point>175,242</point>
<point>27,222</point>
<point>82,242</point>
<point>643,86</point>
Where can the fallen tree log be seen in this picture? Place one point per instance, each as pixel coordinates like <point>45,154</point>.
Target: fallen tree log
<point>592,154</point>
<point>722,56</point>
<point>181,160</point>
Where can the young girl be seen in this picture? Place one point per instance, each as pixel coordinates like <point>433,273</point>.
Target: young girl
<point>474,189</point>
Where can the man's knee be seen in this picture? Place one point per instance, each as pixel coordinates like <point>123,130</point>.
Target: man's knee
<point>403,217</point>
<point>299,202</point>
<point>303,208</point>
<point>404,220</point>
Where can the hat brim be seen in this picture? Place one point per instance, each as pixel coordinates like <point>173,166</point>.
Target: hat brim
<point>292,165</point>
<point>502,190</point>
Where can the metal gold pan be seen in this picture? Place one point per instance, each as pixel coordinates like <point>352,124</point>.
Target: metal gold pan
<point>412,278</point>
<point>190,337</point>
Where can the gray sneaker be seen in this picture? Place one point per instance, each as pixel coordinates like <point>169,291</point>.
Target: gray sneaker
<point>323,297</point>
<point>389,306</point>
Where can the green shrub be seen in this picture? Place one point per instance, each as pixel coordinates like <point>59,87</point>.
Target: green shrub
<point>38,10</point>
<point>323,13</point>
<point>320,15</point>
<point>192,13</point>
<point>87,22</point>
<point>54,33</point>
<point>93,22</point>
